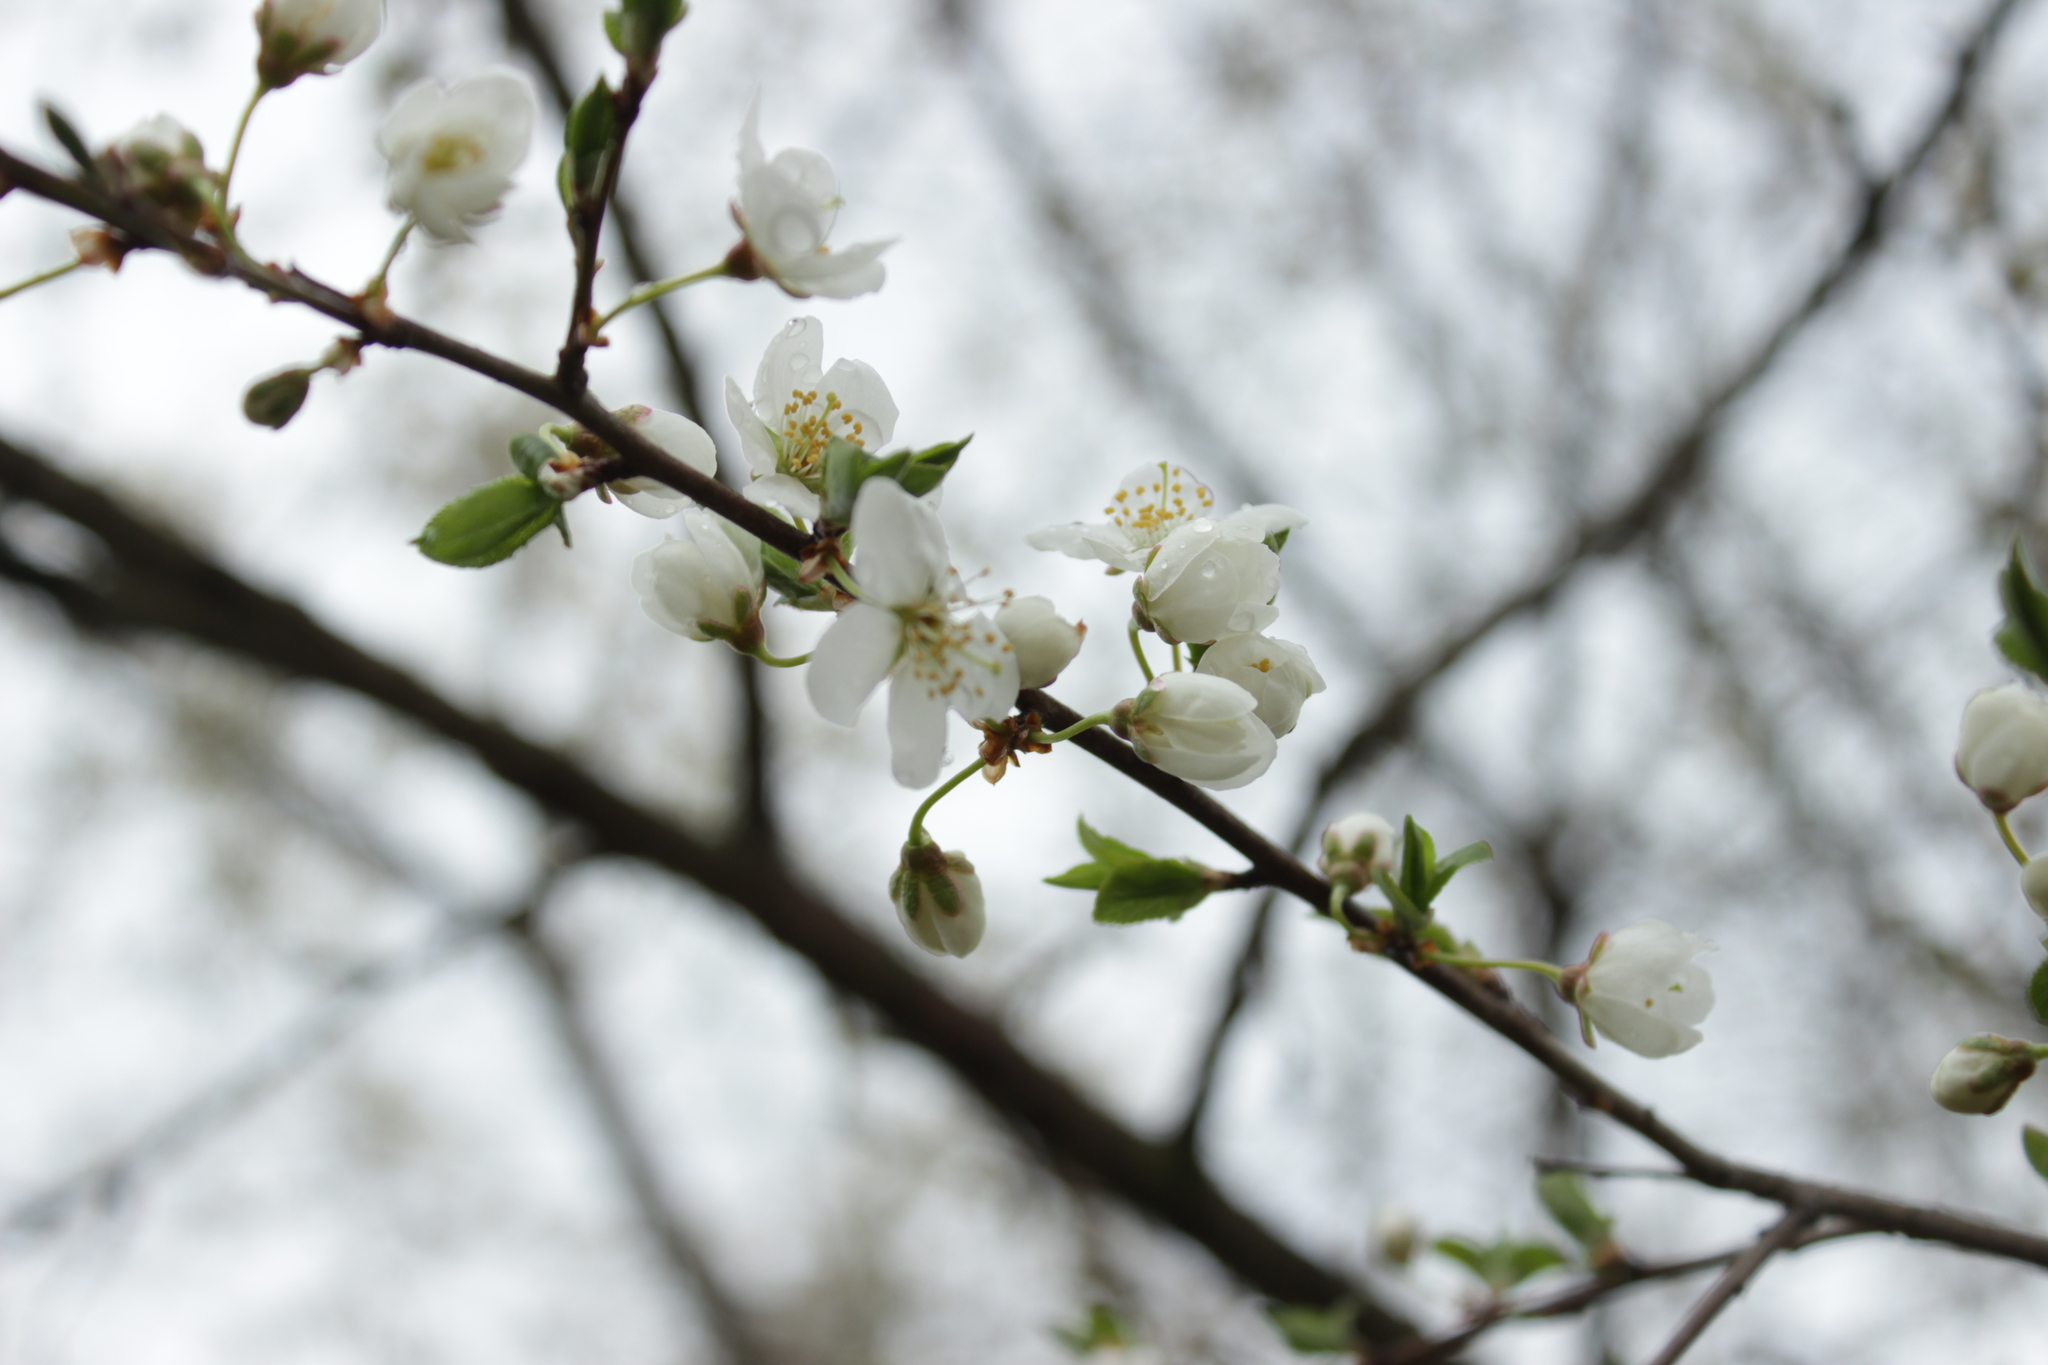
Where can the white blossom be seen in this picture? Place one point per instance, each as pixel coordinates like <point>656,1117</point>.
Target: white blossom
<point>708,586</point>
<point>905,627</point>
<point>1641,988</point>
<point>1045,642</point>
<point>1278,673</point>
<point>1207,580</point>
<point>939,900</point>
<point>798,407</point>
<point>1980,1074</point>
<point>313,37</point>
<point>1357,846</point>
<point>453,150</point>
<point>1199,728</point>
<point>2002,754</point>
<point>786,207</point>
<point>1152,502</point>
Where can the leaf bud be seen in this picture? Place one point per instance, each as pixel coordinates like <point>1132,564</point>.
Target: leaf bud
<point>938,899</point>
<point>275,399</point>
<point>1980,1074</point>
<point>2002,754</point>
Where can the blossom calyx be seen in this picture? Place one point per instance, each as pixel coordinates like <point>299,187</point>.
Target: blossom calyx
<point>312,37</point>
<point>709,586</point>
<point>1199,728</point>
<point>1355,847</point>
<point>1045,641</point>
<point>453,149</point>
<point>938,898</point>
<point>1640,987</point>
<point>1980,1074</point>
<point>1277,672</point>
<point>2002,753</point>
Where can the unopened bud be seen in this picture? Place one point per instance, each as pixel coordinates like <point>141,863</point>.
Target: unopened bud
<point>275,400</point>
<point>939,900</point>
<point>1043,641</point>
<point>1356,847</point>
<point>1980,1074</point>
<point>2002,754</point>
<point>1395,1235</point>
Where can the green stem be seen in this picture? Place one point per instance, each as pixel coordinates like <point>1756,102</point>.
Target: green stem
<point>1085,723</point>
<point>648,293</point>
<point>1549,969</point>
<point>776,661</point>
<point>917,834</point>
<point>2011,841</point>
<point>227,174</point>
<point>376,284</point>
<point>32,281</point>
<point>1176,657</point>
<point>1138,648</point>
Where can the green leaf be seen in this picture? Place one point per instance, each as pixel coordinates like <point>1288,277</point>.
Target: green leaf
<point>1312,1331</point>
<point>2036,1144</point>
<point>1531,1258</point>
<point>2023,635</point>
<point>587,136</point>
<point>1081,877</point>
<point>1418,864</point>
<point>1503,1265</point>
<point>846,467</point>
<point>1158,888</point>
<point>1405,908</point>
<point>927,469</point>
<point>1278,540</point>
<point>529,452</point>
<point>2037,992</point>
<point>1465,1253</point>
<point>1480,852</point>
<point>1104,849</point>
<point>488,523</point>
<point>61,128</point>
<point>275,399</point>
<point>1563,1196</point>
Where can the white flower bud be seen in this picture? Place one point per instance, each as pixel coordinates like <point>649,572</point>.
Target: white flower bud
<point>708,587</point>
<point>1199,728</point>
<point>1208,580</point>
<point>1641,988</point>
<point>1279,674</point>
<point>452,151</point>
<point>938,899</point>
<point>312,37</point>
<point>161,161</point>
<point>1980,1074</point>
<point>1356,847</point>
<point>1395,1235</point>
<point>2003,752</point>
<point>1045,643</point>
<point>678,436</point>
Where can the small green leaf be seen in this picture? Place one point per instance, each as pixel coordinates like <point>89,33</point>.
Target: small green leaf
<point>1406,909</point>
<point>1195,653</point>
<point>1563,1196</point>
<point>1480,852</point>
<point>587,135</point>
<point>1081,877</point>
<point>1158,888</point>
<point>1418,864</point>
<point>2023,635</point>
<point>1503,1265</point>
<point>488,523</point>
<point>2037,992</point>
<point>1313,1331</point>
<point>1465,1253</point>
<point>2036,1144</point>
<point>1532,1258</point>
<point>275,399</point>
<point>1278,540</point>
<point>1104,849</point>
<point>927,469</point>
<point>846,467</point>
<point>61,128</point>
<point>529,452</point>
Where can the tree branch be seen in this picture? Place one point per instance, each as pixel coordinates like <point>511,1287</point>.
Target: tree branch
<point>1739,1273</point>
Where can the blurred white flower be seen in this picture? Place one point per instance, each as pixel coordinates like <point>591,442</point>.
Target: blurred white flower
<point>1199,728</point>
<point>1152,502</point>
<point>786,208</point>
<point>452,151</point>
<point>1641,988</point>
<point>938,899</point>
<point>1207,580</point>
<point>313,37</point>
<point>1357,846</point>
<point>904,628</point>
<point>1279,674</point>
<point>2002,754</point>
<point>161,161</point>
<point>708,586</point>
<point>1395,1231</point>
<point>798,407</point>
<point>1980,1074</point>
<point>1044,641</point>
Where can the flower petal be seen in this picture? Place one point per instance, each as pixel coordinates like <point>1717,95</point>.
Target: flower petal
<point>900,555</point>
<point>754,440</point>
<point>917,730</point>
<point>781,490</point>
<point>856,653</point>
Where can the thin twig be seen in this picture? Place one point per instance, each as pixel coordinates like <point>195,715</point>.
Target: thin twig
<point>1738,1274</point>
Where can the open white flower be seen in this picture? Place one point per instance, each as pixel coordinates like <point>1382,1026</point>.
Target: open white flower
<point>2002,754</point>
<point>1152,502</point>
<point>708,586</point>
<point>798,407</point>
<point>786,208</point>
<point>1045,641</point>
<point>1278,673</point>
<point>1207,580</point>
<point>1641,988</point>
<point>1199,728</point>
<point>313,37</point>
<point>905,627</point>
<point>938,900</point>
<point>452,151</point>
